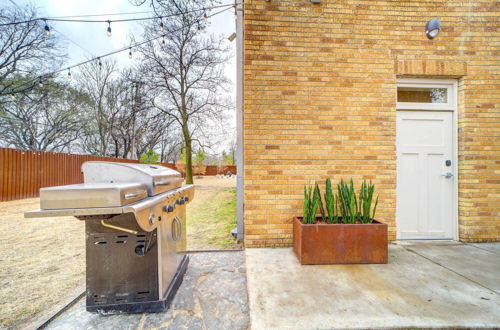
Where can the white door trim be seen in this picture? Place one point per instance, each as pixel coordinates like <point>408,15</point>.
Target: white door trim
<point>451,105</point>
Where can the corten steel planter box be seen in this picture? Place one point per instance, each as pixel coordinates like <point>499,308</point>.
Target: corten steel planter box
<point>316,244</point>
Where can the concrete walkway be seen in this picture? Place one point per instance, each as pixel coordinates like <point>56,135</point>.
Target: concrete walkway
<point>425,285</point>
<point>213,295</point>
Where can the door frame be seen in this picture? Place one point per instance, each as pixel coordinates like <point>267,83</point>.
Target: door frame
<point>450,106</point>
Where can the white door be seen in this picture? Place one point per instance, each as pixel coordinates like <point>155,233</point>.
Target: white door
<point>425,178</point>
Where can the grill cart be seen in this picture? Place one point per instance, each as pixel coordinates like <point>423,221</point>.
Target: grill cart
<point>135,231</point>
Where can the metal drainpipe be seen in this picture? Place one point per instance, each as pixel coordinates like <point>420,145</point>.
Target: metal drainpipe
<point>239,118</point>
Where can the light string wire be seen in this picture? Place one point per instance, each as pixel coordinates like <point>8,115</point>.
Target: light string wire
<point>68,68</point>
<point>57,19</point>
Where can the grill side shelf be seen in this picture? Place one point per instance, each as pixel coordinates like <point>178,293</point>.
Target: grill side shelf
<point>108,212</point>
<point>74,212</point>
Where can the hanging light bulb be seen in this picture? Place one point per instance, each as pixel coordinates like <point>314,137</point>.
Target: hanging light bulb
<point>130,52</point>
<point>205,17</point>
<point>162,27</point>
<point>99,62</point>
<point>163,40</point>
<point>46,29</point>
<point>235,13</point>
<point>69,74</point>
<point>109,29</point>
<point>40,82</point>
<point>13,96</point>
<point>200,28</point>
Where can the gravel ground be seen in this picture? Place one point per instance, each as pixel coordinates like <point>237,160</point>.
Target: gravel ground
<point>43,259</point>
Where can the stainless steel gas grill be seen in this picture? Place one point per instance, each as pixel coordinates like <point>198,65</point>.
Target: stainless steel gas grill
<point>135,233</point>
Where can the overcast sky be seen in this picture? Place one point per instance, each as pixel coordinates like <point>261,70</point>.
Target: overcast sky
<point>86,40</point>
<point>89,40</point>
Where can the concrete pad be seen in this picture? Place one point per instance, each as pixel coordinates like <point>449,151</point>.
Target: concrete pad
<point>410,291</point>
<point>492,247</point>
<point>474,262</point>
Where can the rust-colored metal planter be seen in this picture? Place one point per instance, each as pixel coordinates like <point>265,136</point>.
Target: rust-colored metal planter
<point>316,244</point>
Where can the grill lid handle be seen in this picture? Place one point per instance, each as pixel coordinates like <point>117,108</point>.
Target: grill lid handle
<point>135,194</point>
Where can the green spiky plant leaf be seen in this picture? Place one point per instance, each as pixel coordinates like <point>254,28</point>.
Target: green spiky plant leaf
<point>317,197</point>
<point>330,203</point>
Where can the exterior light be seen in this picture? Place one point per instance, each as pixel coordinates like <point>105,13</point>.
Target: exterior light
<point>432,28</point>
<point>232,36</point>
<point>46,29</point>
<point>108,31</point>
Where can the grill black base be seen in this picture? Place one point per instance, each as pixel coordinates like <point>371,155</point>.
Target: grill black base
<point>147,306</point>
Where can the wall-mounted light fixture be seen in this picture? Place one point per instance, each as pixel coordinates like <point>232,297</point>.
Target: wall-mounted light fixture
<point>432,28</point>
<point>232,36</point>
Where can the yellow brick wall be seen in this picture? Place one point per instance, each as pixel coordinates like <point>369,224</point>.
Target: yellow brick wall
<point>320,101</point>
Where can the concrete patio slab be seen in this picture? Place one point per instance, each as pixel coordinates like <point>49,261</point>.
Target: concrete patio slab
<point>411,291</point>
<point>213,295</point>
<point>474,262</point>
<point>492,247</point>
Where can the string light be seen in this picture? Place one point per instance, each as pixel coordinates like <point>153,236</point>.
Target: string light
<point>205,17</point>
<point>163,40</point>
<point>162,27</point>
<point>68,18</point>
<point>109,29</point>
<point>47,29</point>
<point>69,74</point>
<point>200,28</point>
<point>40,78</point>
<point>130,53</point>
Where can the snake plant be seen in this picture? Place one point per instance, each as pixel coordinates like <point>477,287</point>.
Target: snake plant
<point>351,208</point>
<point>331,205</point>
<point>312,202</point>
<point>317,197</point>
<point>347,201</point>
<point>365,202</point>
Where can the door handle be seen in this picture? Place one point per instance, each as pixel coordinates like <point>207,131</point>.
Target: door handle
<point>447,175</point>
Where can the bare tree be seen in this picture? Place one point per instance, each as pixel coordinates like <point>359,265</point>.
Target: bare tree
<point>186,70</point>
<point>98,80</point>
<point>46,119</point>
<point>25,50</point>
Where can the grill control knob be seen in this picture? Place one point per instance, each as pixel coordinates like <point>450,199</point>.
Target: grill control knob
<point>186,198</point>
<point>180,201</point>
<point>169,208</point>
<point>152,219</point>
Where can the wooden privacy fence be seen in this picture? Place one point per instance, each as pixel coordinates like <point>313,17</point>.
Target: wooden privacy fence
<point>23,173</point>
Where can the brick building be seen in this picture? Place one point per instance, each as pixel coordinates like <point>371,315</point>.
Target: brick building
<point>354,88</point>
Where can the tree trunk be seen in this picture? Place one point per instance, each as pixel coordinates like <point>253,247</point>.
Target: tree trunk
<point>189,161</point>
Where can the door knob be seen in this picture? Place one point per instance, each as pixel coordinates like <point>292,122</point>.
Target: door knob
<point>447,175</point>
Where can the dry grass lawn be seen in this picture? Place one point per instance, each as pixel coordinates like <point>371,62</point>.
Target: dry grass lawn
<point>212,214</point>
<point>43,260</point>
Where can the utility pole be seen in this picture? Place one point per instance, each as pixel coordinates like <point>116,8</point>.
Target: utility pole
<point>135,109</point>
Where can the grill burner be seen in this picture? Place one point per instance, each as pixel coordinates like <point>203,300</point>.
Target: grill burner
<point>135,233</point>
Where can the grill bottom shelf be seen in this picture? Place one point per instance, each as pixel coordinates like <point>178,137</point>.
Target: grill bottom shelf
<point>147,306</point>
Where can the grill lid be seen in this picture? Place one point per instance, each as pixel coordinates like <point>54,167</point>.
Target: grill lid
<point>157,178</point>
<point>87,195</point>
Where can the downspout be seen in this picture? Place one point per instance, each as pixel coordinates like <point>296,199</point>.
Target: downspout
<point>239,119</point>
